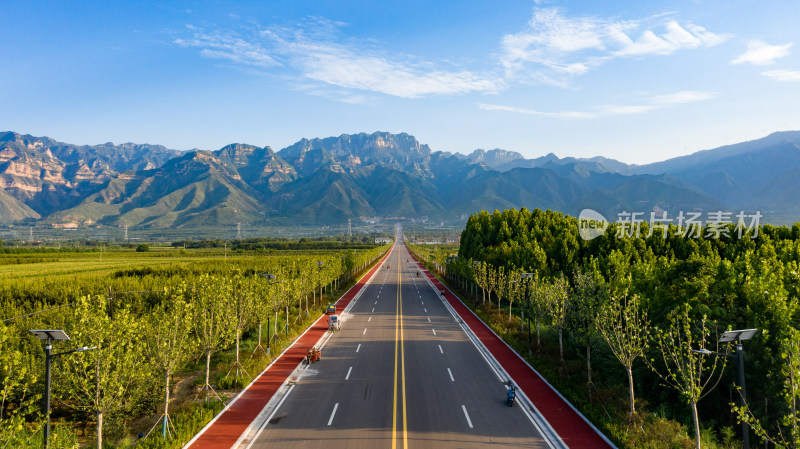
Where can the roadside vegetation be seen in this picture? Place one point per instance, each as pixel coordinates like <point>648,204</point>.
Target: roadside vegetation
<point>175,332</point>
<point>619,324</point>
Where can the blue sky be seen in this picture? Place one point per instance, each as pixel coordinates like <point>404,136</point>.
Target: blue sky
<point>639,81</point>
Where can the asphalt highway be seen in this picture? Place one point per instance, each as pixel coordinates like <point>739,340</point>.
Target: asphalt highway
<point>399,374</point>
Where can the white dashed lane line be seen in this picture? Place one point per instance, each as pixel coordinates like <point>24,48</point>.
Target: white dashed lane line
<point>434,331</point>
<point>448,372</point>
<point>359,347</point>
<point>333,413</point>
<point>440,349</point>
<point>351,369</point>
<point>466,415</point>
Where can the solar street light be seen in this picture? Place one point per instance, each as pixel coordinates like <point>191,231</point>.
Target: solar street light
<point>48,335</point>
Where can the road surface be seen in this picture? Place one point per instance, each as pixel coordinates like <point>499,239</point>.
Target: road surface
<point>399,374</point>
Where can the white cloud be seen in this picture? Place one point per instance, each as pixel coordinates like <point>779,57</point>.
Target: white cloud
<point>685,96</point>
<point>761,53</point>
<point>783,75</point>
<point>554,47</point>
<point>564,114</point>
<point>227,46</point>
<point>655,103</point>
<point>317,53</point>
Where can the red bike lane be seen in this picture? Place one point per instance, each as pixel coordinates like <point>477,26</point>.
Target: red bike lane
<point>569,424</point>
<point>226,428</point>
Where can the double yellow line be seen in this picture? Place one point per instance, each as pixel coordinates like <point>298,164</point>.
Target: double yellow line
<point>401,354</point>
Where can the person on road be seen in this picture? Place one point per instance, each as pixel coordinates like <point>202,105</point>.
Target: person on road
<point>512,392</point>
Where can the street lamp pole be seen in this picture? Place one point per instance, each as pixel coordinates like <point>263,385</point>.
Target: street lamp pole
<point>48,336</point>
<point>737,337</point>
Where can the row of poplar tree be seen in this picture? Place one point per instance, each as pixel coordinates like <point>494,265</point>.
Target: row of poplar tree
<point>138,339</point>
<point>657,302</point>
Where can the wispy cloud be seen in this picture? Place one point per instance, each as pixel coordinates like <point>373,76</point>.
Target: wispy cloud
<point>783,75</point>
<point>554,48</point>
<point>318,53</point>
<point>654,103</point>
<point>562,114</point>
<point>761,53</point>
<point>229,46</point>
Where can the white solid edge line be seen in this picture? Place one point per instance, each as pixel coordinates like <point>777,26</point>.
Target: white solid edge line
<point>333,413</point>
<point>466,415</point>
<point>271,415</point>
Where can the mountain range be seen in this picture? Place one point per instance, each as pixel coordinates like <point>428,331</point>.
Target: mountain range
<point>373,176</point>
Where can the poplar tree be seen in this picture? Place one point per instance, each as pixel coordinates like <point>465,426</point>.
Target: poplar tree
<point>623,324</point>
<point>100,380</point>
<point>690,372</point>
<point>169,341</point>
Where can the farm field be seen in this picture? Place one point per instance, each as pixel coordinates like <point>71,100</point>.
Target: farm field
<point>175,332</point>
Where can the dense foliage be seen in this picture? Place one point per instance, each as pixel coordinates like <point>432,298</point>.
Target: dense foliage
<point>681,288</point>
<point>149,316</point>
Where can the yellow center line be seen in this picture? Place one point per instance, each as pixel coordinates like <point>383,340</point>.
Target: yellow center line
<point>394,407</point>
<point>402,361</point>
<point>398,340</point>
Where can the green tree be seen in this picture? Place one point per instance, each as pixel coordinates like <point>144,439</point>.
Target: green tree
<point>169,340</point>
<point>100,380</point>
<point>590,295</point>
<point>623,324</point>
<point>213,324</point>
<point>557,303</point>
<point>788,436</point>
<point>685,368</point>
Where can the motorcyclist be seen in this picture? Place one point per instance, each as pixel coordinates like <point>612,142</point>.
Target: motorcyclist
<point>512,394</point>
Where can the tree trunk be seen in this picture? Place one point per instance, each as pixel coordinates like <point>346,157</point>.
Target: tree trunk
<point>509,310</point>
<point>208,366</point>
<point>696,421</point>
<point>561,344</point>
<point>238,337</point>
<point>99,429</point>
<point>589,361</point>
<point>166,404</point>
<point>538,336</point>
<point>629,369</point>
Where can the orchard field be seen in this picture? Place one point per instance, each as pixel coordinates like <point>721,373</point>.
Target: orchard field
<point>176,332</point>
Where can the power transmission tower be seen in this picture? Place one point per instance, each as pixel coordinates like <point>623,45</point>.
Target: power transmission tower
<point>238,230</point>
<point>126,233</point>
<point>30,239</point>
<point>350,227</point>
